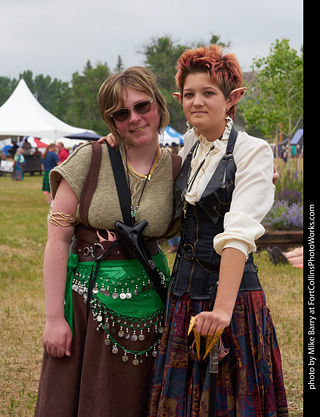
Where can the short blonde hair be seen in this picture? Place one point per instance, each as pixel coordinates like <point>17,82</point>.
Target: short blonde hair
<point>137,78</point>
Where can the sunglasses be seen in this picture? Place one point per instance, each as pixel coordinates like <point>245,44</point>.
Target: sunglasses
<point>123,114</point>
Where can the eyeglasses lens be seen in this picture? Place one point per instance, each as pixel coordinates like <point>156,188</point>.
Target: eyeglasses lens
<point>141,108</point>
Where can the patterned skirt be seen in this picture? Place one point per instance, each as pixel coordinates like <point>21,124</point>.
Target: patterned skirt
<point>250,381</point>
<point>45,181</point>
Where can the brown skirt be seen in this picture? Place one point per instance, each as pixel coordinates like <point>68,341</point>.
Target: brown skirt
<point>94,381</point>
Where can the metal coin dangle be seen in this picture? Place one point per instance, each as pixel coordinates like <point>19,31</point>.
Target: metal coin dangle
<point>141,336</point>
<point>135,360</point>
<point>134,337</point>
<point>103,290</point>
<point>120,332</point>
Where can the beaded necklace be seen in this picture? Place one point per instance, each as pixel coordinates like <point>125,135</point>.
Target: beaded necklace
<point>147,178</point>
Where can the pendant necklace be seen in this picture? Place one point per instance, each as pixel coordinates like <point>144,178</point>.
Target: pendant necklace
<point>147,178</point>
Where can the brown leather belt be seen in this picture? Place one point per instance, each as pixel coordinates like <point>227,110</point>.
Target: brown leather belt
<point>86,251</point>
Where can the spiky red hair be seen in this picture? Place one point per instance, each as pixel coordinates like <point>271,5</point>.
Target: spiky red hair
<point>223,67</point>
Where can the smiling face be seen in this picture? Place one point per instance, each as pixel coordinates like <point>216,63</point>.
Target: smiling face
<point>205,105</point>
<point>138,129</point>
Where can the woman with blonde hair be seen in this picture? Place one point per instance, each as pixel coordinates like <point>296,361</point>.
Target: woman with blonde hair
<point>104,316</point>
<point>18,165</point>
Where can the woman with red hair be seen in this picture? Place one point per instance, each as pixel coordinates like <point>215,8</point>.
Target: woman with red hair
<point>222,193</point>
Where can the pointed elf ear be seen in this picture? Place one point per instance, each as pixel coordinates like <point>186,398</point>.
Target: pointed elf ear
<point>178,97</point>
<point>235,95</point>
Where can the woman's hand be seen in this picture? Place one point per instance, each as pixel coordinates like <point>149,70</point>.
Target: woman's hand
<point>57,338</point>
<point>208,322</point>
<point>231,272</point>
<point>110,138</point>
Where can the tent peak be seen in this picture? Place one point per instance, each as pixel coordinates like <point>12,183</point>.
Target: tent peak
<point>23,115</point>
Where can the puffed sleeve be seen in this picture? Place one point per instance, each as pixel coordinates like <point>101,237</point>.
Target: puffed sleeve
<point>74,170</point>
<point>252,197</point>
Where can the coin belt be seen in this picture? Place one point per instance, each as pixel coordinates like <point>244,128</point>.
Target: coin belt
<point>135,329</point>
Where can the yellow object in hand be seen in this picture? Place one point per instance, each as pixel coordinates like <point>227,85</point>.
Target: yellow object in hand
<point>211,339</point>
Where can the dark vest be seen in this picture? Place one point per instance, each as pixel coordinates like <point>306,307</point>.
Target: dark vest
<point>196,268</point>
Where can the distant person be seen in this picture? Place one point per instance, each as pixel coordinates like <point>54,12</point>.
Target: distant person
<point>63,153</point>
<point>284,154</point>
<point>76,146</point>
<point>12,151</point>
<point>18,166</point>
<point>26,146</point>
<point>49,160</point>
<point>174,148</point>
<point>37,152</point>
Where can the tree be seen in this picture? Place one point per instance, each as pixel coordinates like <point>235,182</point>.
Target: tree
<point>83,109</point>
<point>76,102</point>
<point>276,102</point>
<point>216,40</point>
<point>161,58</point>
<point>119,67</point>
<point>53,95</point>
<point>6,88</point>
<point>162,55</point>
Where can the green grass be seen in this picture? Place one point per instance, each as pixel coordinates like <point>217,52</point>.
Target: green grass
<point>23,214</point>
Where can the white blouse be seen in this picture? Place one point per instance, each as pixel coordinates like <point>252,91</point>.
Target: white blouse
<point>253,195</point>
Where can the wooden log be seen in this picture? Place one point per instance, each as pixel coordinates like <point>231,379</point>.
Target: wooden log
<point>284,239</point>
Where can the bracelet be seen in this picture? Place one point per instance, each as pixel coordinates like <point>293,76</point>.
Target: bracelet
<point>61,219</point>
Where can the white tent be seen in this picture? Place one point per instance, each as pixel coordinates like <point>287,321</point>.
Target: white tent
<point>23,115</point>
